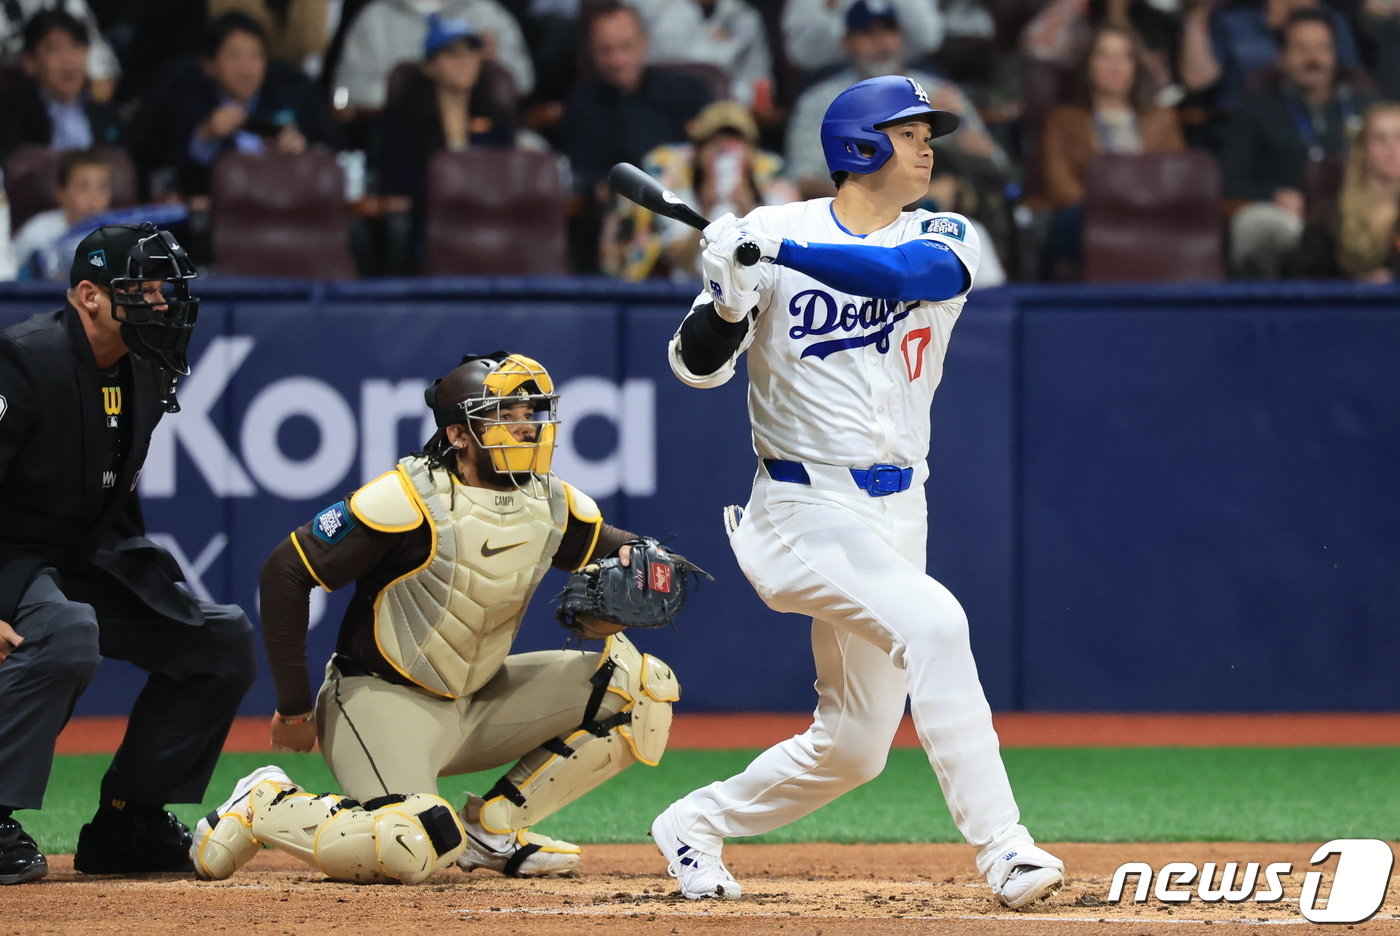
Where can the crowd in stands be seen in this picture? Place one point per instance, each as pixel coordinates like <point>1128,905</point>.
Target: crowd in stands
<point>1157,139</point>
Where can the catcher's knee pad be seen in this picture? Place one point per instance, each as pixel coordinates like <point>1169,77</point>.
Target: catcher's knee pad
<point>628,719</point>
<point>391,838</point>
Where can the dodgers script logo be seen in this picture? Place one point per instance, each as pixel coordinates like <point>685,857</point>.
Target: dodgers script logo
<point>816,309</point>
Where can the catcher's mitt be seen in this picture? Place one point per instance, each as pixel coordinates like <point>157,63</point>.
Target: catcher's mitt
<point>605,597</point>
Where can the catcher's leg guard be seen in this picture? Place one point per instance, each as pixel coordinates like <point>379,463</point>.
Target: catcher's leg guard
<point>565,768</point>
<point>223,841</point>
<point>391,838</point>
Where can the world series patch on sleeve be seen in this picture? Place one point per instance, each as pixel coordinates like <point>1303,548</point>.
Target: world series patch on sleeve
<point>605,597</point>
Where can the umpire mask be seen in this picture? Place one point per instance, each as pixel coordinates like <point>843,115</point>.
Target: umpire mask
<point>493,395</point>
<point>156,323</point>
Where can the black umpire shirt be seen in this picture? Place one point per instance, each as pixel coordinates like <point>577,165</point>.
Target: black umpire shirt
<point>57,441</point>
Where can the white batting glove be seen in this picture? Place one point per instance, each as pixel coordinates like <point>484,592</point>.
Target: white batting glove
<point>717,229</point>
<point>733,287</point>
<point>729,232</point>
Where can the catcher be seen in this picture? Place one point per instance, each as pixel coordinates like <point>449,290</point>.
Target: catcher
<point>445,552</point>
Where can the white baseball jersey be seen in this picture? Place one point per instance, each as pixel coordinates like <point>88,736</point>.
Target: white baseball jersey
<point>839,379</point>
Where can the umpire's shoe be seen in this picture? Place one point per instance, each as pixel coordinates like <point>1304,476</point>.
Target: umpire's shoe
<point>132,839</point>
<point>20,858</point>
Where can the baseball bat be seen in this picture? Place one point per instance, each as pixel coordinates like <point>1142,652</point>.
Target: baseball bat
<point>636,186</point>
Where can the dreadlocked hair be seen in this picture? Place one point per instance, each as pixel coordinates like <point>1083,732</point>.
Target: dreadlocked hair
<point>441,454</point>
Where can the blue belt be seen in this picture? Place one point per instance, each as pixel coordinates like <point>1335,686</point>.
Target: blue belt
<point>877,480</point>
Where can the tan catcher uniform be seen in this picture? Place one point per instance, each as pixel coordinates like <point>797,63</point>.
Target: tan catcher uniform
<point>422,684</point>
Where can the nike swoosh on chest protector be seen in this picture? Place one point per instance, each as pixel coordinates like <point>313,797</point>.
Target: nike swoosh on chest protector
<point>488,550</point>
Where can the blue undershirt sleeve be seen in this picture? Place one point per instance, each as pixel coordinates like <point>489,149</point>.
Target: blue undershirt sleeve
<point>918,269</point>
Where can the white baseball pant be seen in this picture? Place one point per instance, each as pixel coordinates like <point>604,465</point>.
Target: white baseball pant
<point>881,630</point>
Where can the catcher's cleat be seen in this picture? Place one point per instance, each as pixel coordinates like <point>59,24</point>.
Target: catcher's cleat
<point>1025,874</point>
<point>523,854</point>
<point>20,858</point>
<point>132,839</point>
<point>699,873</point>
<point>223,840</point>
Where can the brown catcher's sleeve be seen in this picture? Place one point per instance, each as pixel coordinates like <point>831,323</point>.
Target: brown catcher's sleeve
<point>578,535</point>
<point>305,560</point>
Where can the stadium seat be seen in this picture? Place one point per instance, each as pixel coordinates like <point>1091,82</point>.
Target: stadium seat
<point>281,214</point>
<point>496,211</point>
<point>31,173</point>
<point>1154,217</point>
<point>1322,186</point>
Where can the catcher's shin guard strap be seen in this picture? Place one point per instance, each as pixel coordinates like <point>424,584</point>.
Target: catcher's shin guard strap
<point>600,679</point>
<point>557,746</point>
<point>547,779</point>
<point>503,787</point>
<point>512,868</point>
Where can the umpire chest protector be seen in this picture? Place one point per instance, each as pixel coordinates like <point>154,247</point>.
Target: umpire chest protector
<point>449,624</point>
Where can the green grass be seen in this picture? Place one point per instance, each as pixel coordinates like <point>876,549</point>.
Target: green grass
<point>1067,794</point>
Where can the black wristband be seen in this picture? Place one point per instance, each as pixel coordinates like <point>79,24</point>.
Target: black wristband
<point>707,341</point>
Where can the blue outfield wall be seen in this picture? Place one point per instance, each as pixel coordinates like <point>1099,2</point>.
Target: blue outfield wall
<point>1148,499</point>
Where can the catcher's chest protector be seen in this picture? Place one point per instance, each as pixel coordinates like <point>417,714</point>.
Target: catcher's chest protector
<point>449,624</point>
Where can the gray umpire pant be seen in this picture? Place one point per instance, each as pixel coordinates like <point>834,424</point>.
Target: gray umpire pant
<point>197,678</point>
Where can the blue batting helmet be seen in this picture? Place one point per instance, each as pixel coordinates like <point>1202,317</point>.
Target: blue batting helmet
<point>854,118</point>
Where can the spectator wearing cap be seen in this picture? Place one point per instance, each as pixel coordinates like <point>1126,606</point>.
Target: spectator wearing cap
<point>1307,117</point>
<point>725,33</point>
<point>387,32</point>
<point>874,46</point>
<point>101,66</point>
<point>814,30</point>
<point>722,169</point>
<point>52,106</point>
<point>446,105</point>
<point>235,100</point>
<point>1223,44</point>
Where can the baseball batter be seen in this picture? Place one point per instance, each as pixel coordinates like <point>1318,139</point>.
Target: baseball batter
<point>445,553</point>
<point>846,322</point>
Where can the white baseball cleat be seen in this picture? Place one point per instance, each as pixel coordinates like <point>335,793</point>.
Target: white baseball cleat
<point>699,873</point>
<point>223,840</point>
<point>1025,874</point>
<point>520,853</point>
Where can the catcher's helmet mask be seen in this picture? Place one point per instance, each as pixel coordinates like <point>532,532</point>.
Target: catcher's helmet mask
<point>482,394</point>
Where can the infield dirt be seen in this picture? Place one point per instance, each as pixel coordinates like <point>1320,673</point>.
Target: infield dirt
<point>803,890</point>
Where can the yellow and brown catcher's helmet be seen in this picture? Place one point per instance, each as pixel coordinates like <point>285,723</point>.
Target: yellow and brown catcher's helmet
<point>478,394</point>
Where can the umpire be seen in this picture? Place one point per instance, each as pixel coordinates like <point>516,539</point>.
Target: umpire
<point>78,578</point>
